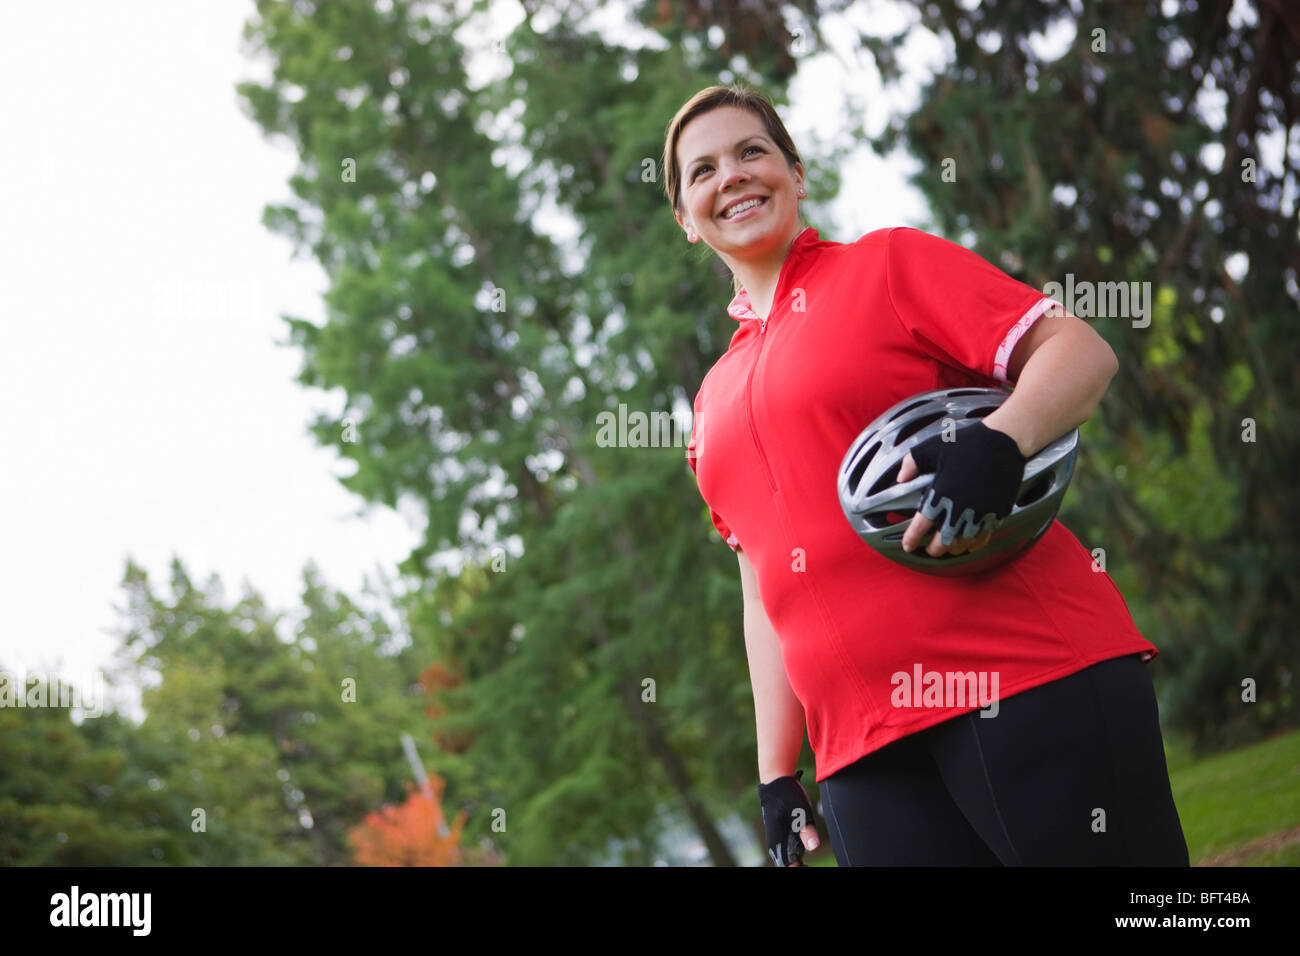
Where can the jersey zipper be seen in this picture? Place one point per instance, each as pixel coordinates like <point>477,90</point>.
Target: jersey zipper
<point>749,405</point>
<point>749,392</point>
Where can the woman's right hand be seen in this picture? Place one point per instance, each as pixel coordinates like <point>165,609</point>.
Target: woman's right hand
<point>788,820</point>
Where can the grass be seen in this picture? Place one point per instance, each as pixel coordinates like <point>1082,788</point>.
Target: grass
<point>1240,808</point>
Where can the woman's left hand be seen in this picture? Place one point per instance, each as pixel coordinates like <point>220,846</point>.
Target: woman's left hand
<point>921,525</point>
<point>977,475</point>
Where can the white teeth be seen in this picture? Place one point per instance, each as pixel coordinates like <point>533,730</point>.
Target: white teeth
<point>740,208</point>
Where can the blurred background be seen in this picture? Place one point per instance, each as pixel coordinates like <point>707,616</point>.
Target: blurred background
<point>328,297</point>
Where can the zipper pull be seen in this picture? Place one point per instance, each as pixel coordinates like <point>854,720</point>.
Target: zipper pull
<point>762,326</point>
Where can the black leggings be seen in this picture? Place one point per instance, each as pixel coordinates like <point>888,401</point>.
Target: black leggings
<point>1069,773</point>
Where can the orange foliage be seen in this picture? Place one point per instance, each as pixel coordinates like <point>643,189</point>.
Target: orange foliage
<point>407,834</point>
<point>434,679</point>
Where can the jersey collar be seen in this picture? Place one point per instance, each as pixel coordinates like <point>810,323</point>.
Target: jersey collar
<point>740,307</point>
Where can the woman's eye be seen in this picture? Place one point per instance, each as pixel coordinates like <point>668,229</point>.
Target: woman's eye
<point>703,166</point>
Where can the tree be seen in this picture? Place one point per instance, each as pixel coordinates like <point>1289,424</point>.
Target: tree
<point>71,795</point>
<point>283,743</point>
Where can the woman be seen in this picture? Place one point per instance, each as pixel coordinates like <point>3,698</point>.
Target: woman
<point>1070,769</point>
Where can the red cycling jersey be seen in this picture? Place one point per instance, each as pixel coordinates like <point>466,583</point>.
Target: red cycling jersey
<point>855,328</point>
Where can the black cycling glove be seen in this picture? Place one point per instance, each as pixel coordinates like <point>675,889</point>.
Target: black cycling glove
<point>977,476</point>
<point>786,811</point>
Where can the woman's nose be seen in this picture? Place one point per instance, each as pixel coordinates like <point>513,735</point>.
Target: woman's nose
<point>732,175</point>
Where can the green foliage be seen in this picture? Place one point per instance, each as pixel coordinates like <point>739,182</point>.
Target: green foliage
<point>1187,494</point>
<point>71,796</point>
<point>248,754</point>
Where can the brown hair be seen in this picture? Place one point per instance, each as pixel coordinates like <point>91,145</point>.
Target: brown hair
<point>709,98</point>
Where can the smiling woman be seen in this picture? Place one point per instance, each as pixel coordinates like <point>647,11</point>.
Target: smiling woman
<point>829,336</point>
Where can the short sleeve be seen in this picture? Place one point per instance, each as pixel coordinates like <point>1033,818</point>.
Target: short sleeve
<point>958,307</point>
<point>716,518</point>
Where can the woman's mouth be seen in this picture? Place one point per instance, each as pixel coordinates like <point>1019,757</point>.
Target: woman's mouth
<point>744,210</point>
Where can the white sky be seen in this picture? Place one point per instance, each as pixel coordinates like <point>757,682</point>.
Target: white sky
<point>149,412</point>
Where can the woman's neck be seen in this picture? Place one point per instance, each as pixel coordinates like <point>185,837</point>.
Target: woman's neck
<point>760,275</point>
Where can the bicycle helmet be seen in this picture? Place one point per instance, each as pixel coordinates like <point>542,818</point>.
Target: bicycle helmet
<point>879,509</point>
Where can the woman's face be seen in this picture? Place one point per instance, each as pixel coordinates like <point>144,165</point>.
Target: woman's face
<point>725,155</point>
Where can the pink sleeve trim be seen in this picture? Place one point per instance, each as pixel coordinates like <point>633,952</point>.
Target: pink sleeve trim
<point>1017,331</point>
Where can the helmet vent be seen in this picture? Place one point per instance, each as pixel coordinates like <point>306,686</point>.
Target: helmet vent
<point>1036,491</point>
<point>981,412</point>
<point>856,476</point>
<point>903,411</point>
<point>888,478</point>
<point>887,518</point>
<point>910,429</point>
